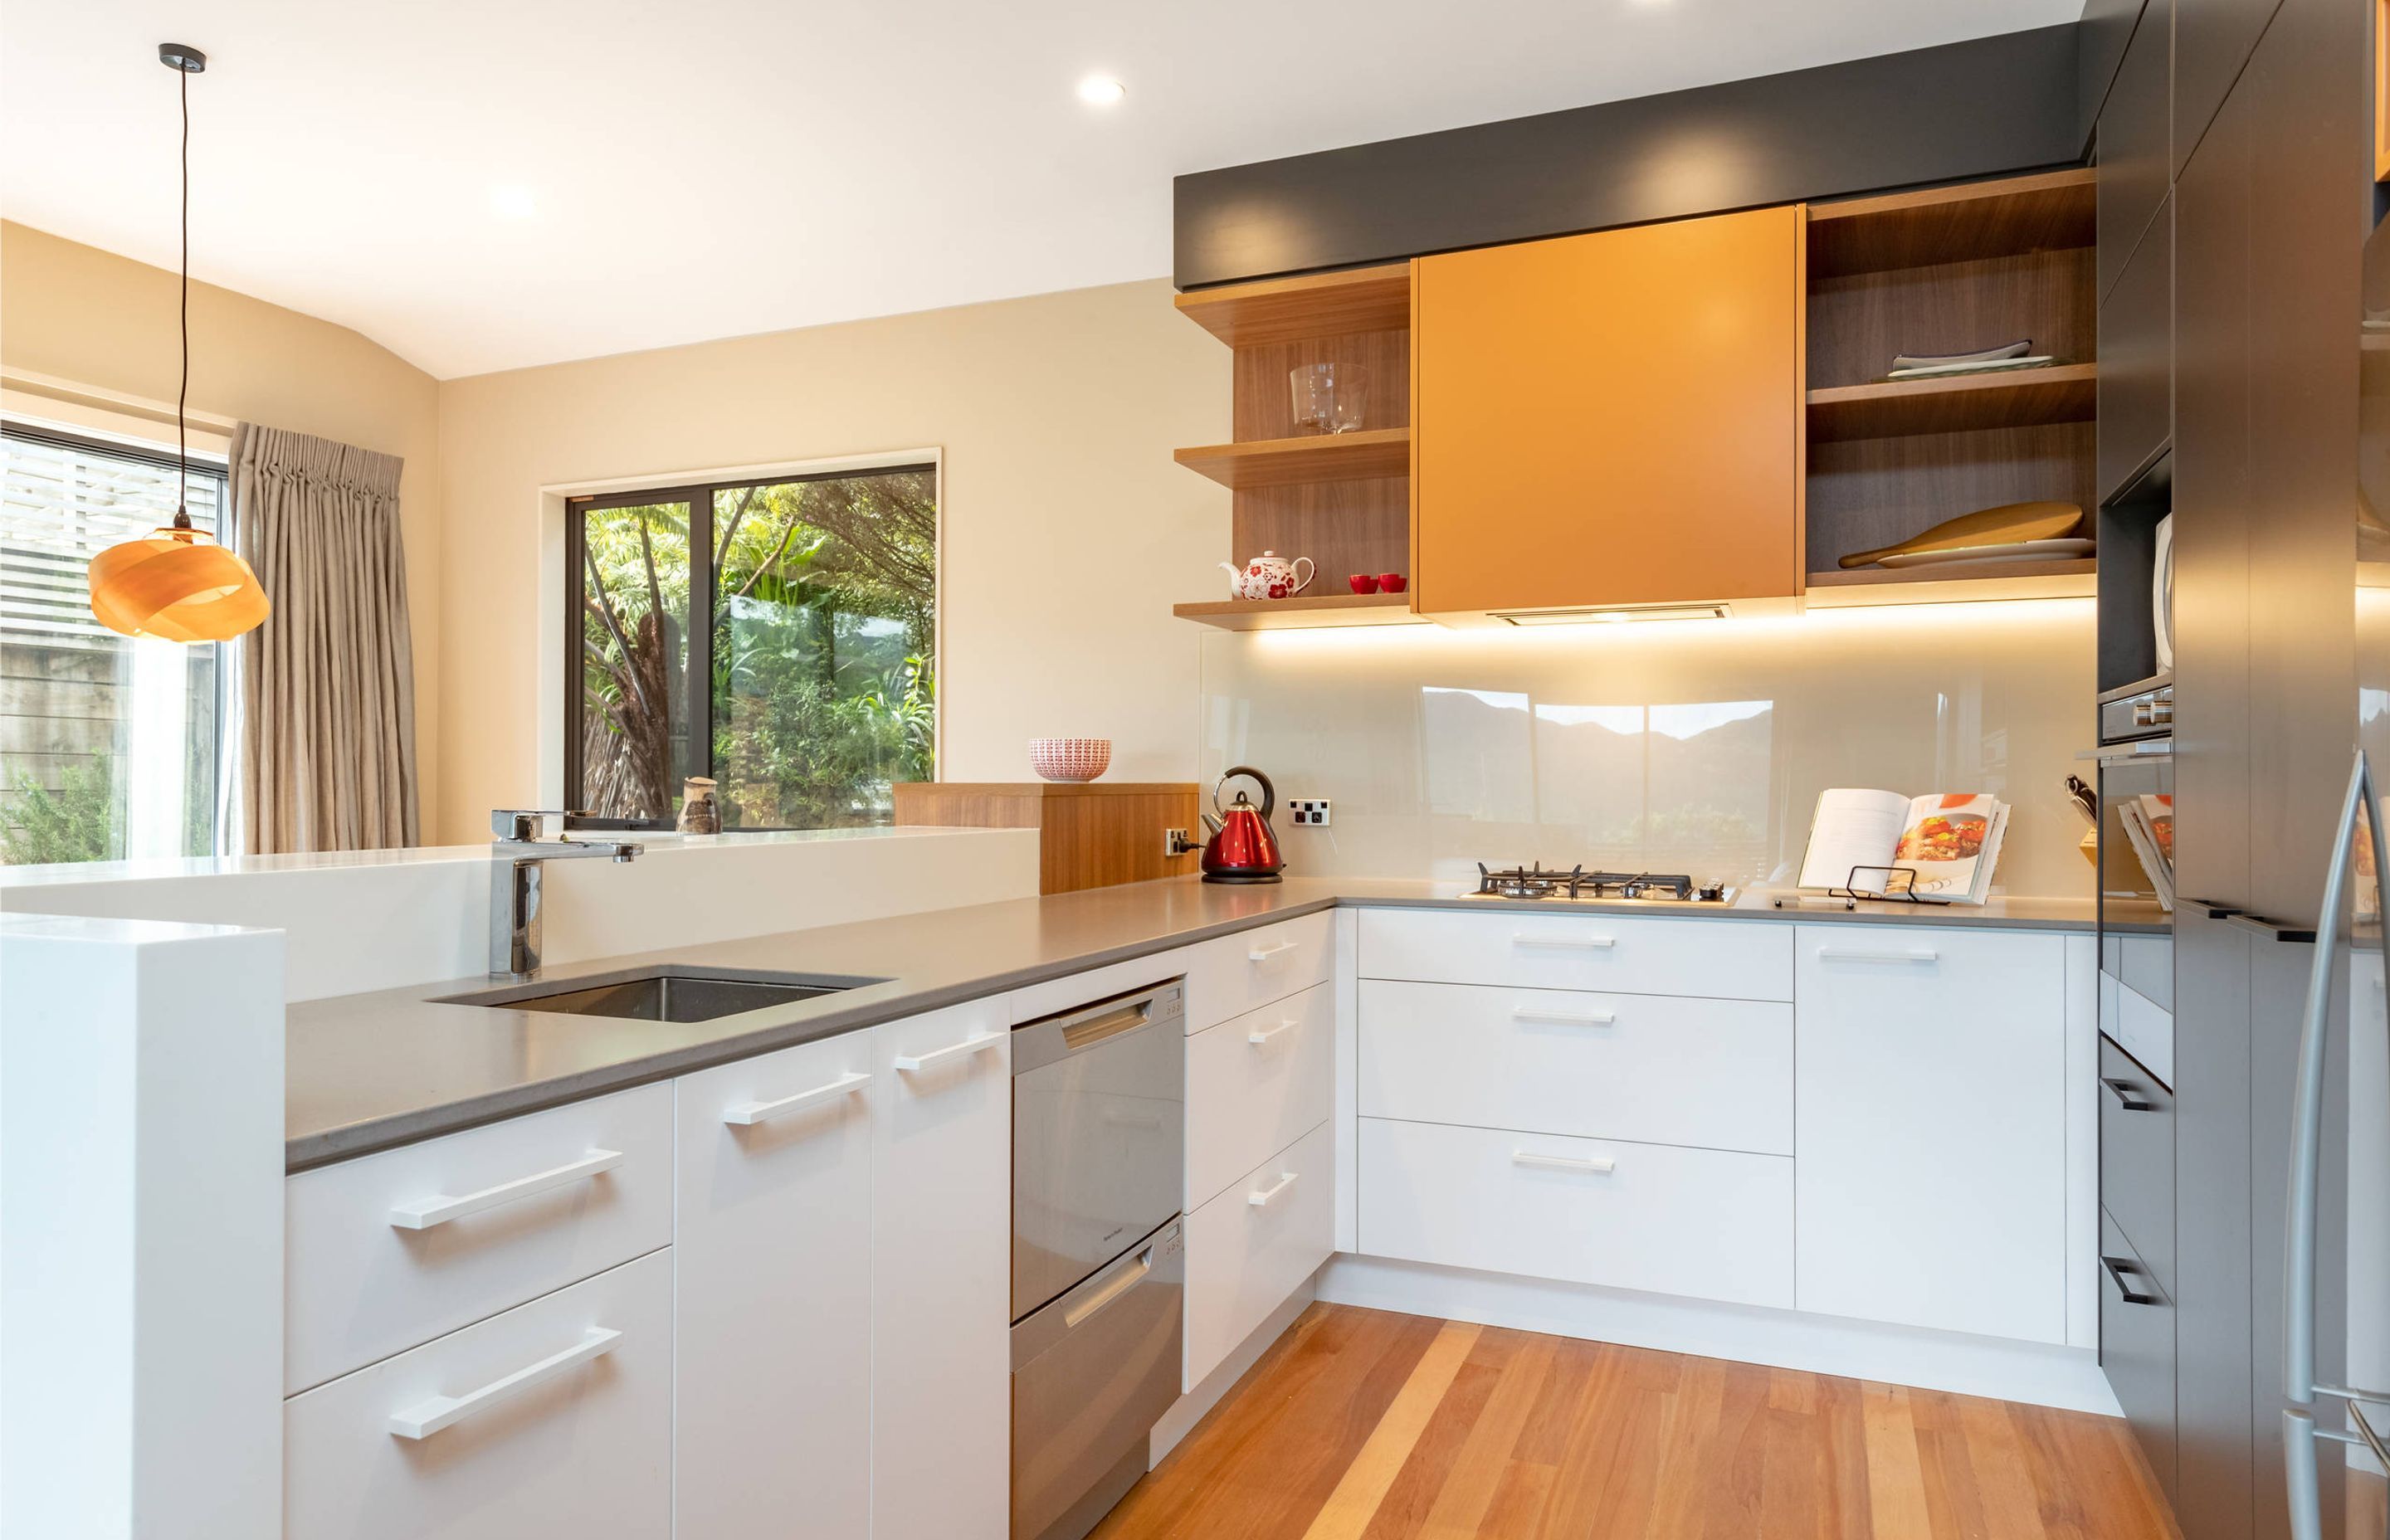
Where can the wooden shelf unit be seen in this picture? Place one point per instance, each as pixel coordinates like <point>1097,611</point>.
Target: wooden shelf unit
<point>1292,462</point>
<point>2051,210</point>
<point>1947,270</point>
<point>1304,612</point>
<point>2067,578</point>
<point>1342,499</point>
<point>1295,310</point>
<point>1959,404</point>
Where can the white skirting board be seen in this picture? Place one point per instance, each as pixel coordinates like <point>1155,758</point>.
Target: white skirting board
<point>1189,1410</point>
<point>2036,1374</point>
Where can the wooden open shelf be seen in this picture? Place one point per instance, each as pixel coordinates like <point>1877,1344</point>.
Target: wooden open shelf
<point>2071,577</point>
<point>1303,612</point>
<point>2022,398</point>
<point>1292,462</point>
<point>2050,210</point>
<point>1291,310</point>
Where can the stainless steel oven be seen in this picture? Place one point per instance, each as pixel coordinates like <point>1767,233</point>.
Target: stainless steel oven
<point>1099,1267</point>
<point>2136,794</point>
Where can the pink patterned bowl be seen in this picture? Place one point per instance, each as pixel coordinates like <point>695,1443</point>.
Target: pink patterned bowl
<point>1070,759</point>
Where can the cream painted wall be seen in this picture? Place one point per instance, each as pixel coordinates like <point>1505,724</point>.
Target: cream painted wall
<point>77,314</point>
<point>1069,531</point>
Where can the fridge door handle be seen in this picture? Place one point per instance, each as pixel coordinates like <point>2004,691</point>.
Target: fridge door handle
<point>2299,1387</point>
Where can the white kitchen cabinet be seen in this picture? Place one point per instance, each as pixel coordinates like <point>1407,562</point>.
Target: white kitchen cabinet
<point>1254,1245</point>
<point>554,1418</point>
<point>941,1254</point>
<point>1230,975</point>
<point>390,1251</point>
<point>772,1277</point>
<point>1255,1084</point>
<point>1591,949</point>
<point>1642,1066</point>
<point>1709,1223</point>
<point>1932,1147</point>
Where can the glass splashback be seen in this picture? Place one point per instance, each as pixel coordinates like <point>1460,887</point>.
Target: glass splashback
<point>1698,746</point>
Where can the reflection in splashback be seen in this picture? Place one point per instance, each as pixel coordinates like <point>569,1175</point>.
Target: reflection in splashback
<point>1695,747</point>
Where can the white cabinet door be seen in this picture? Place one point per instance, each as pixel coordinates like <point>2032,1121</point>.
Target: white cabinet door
<point>1255,1244</point>
<point>552,1418</point>
<point>942,1260</point>
<point>772,1270</point>
<point>1254,1086</point>
<point>1643,1067</point>
<point>1931,1098</point>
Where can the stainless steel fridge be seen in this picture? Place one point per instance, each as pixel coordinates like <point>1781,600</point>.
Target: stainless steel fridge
<point>2334,1368</point>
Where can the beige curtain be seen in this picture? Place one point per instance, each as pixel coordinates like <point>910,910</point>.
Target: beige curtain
<point>323,694</point>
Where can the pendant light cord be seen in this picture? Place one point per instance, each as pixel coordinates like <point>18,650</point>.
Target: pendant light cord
<point>183,390</point>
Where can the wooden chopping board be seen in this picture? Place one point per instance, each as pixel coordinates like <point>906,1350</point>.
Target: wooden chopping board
<point>2004,525</point>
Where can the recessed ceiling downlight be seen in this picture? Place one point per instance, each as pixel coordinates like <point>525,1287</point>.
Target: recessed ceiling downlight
<point>1101,91</point>
<point>513,202</point>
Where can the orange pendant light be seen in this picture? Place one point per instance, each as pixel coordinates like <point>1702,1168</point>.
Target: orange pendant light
<point>179,583</point>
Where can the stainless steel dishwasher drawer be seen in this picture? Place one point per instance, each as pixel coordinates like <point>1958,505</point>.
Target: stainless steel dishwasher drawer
<point>1092,1372</point>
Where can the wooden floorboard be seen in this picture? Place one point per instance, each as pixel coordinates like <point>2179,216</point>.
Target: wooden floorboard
<point>1365,1425</point>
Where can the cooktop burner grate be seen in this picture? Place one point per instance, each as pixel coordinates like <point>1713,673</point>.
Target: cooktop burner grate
<point>1576,882</point>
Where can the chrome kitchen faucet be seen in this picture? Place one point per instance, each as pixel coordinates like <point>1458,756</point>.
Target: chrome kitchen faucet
<point>517,853</point>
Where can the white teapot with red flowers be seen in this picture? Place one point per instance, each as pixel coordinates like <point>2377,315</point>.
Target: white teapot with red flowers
<point>1268,576</point>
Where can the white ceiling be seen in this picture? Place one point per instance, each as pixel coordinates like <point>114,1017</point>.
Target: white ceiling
<point>719,167</point>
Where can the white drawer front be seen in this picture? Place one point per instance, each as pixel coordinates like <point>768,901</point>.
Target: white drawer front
<point>1584,949</point>
<point>1704,1223</point>
<point>1255,1085</point>
<point>1230,975</point>
<point>389,1251</point>
<point>582,1447</point>
<point>1251,1247</point>
<point>1642,1066</point>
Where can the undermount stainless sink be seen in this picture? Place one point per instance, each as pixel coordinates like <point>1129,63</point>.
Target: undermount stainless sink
<point>667,994</point>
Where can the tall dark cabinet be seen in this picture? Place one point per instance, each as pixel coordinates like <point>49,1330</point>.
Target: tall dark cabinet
<point>2263,112</point>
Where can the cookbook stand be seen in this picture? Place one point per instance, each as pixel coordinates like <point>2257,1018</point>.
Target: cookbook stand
<point>1899,882</point>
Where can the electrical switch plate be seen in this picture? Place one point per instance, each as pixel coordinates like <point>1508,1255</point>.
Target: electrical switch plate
<point>1309,812</point>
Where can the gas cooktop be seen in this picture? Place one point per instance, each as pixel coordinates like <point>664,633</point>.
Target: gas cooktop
<point>1583,886</point>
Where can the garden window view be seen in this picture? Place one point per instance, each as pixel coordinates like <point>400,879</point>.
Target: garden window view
<point>108,743</point>
<point>778,636</point>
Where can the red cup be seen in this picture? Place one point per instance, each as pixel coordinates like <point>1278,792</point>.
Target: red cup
<point>1362,583</point>
<point>1392,583</point>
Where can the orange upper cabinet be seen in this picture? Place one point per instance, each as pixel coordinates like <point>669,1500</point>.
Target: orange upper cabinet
<point>1612,418</point>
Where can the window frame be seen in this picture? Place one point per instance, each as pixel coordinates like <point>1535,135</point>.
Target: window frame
<point>696,756</point>
<point>198,462</point>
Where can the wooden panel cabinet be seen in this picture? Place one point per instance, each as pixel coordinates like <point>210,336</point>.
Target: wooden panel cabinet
<point>1090,835</point>
<point>1611,419</point>
<point>2136,417</point>
<point>2133,141</point>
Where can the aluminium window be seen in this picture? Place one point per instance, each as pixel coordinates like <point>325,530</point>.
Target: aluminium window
<point>109,745</point>
<point>779,636</point>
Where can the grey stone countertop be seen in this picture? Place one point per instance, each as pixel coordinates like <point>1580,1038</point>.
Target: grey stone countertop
<point>366,1072</point>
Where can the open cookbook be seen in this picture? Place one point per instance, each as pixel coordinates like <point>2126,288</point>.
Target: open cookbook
<point>1875,844</point>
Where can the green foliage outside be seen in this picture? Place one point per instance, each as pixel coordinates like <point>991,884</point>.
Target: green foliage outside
<point>76,822</point>
<point>824,693</point>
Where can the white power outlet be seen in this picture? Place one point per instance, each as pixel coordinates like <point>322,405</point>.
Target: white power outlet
<point>1308,812</point>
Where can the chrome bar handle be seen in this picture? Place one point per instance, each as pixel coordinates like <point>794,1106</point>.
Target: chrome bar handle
<point>2299,1388</point>
<point>2306,1117</point>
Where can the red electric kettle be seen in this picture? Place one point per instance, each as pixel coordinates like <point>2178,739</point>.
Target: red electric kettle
<point>1241,848</point>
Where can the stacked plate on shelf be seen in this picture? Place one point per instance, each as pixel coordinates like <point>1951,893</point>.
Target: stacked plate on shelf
<point>2013,532</point>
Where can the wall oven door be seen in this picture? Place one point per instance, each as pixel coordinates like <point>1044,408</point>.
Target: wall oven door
<point>2136,858</point>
